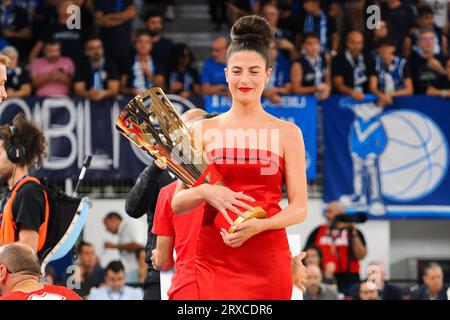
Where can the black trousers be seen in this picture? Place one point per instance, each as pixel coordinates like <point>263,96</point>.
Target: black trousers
<point>152,290</point>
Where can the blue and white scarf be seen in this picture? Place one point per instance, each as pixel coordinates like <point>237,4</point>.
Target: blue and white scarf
<point>390,78</point>
<point>7,16</point>
<point>140,79</point>
<point>319,77</point>
<point>187,79</point>
<point>359,70</point>
<point>98,76</point>
<point>310,27</point>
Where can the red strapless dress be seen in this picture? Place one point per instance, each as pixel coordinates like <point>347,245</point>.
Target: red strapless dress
<point>261,268</point>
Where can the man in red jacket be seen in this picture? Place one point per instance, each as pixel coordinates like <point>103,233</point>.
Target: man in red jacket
<point>20,274</point>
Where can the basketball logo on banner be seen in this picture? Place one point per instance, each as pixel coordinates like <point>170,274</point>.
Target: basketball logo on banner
<point>400,155</point>
<point>416,157</point>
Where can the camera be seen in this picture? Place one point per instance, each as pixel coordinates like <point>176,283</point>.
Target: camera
<point>358,217</point>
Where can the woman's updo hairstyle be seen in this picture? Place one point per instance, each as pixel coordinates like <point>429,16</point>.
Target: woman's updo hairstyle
<point>251,33</point>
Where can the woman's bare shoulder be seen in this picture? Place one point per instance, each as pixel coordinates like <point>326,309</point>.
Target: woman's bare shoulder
<point>287,127</point>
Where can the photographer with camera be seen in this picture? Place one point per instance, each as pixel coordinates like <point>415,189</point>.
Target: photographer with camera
<point>342,245</point>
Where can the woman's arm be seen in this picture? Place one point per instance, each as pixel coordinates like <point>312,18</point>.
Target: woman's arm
<point>222,198</point>
<point>162,255</point>
<point>295,177</point>
<point>373,86</point>
<point>186,199</point>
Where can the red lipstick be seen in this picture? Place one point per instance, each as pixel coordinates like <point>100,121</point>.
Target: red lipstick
<point>245,89</point>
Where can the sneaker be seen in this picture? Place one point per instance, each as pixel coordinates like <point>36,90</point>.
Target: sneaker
<point>353,200</point>
<point>377,208</point>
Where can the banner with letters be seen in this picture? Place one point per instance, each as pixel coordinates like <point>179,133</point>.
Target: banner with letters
<point>390,162</point>
<point>77,127</point>
<point>301,110</point>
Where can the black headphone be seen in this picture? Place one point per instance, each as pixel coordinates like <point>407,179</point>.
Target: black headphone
<point>14,150</point>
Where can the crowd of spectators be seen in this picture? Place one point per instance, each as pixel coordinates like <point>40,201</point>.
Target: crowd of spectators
<point>332,256</point>
<point>320,47</point>
<point>334,251</point>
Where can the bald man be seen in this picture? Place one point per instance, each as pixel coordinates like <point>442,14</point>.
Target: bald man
<point>350,68</point>
<point>20,274</point>
<point>213,74</point>
<point>315,289</point>
<point>4,63</point>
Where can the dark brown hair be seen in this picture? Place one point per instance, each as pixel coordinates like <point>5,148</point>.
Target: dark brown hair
<point>251,33</point>
<point>27,134</point>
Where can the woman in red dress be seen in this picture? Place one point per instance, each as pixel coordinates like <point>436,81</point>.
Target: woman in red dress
<point>255,153</point>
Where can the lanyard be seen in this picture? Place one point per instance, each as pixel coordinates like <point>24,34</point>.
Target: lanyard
<point>359,69</point>
<point>323,30</point>
<point>109,293</point>
<point>140,79</point>
<point>97,82</point>
<point>317,67</point>
<point>186,81</point>
<point>274,76</point>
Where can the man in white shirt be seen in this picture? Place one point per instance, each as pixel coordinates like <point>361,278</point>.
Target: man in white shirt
<point>115,288</point>
<point>130,240</point>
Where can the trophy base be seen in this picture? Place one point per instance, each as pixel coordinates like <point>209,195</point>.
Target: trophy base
<point>220,221</point>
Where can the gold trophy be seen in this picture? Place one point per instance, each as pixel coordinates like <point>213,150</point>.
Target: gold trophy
<point>151,122</point>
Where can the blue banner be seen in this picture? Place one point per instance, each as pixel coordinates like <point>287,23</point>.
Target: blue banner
<point>302,110</point>
<point>390,162</point>
<point>77,127</point>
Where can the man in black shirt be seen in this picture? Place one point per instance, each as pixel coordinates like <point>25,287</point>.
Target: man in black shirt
<point>24,207</point>
<point>142,200</point>
<point>427,66</point>
<point>350,69</point>
<point>97,78</point>
<point>19,82</point>
<point>71,40</point>
<point>113,17</point>
<point>15,26</point>
<point>162,47</point>
<point>401,16</point>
